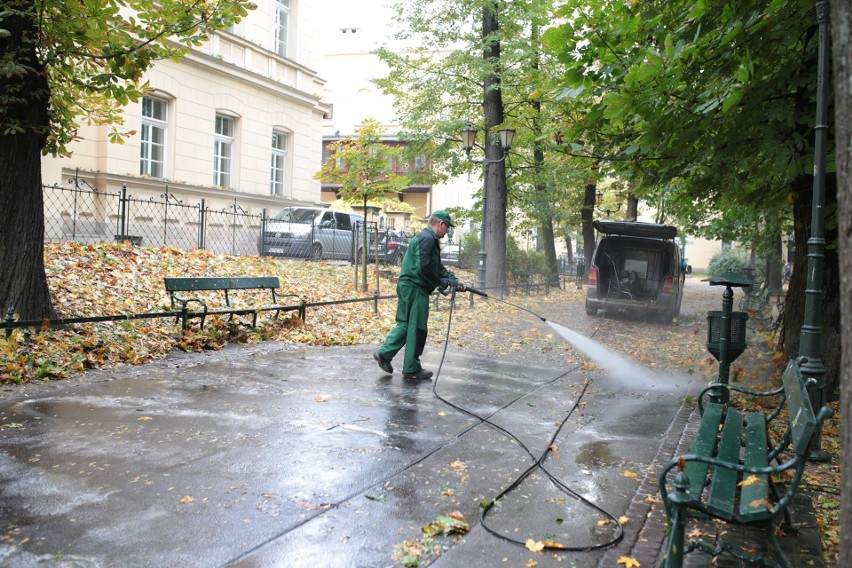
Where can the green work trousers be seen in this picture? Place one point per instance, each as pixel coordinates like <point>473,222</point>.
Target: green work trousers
<point>412,316</point>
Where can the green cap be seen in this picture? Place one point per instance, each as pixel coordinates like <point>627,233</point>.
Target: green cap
<point>443,216</point>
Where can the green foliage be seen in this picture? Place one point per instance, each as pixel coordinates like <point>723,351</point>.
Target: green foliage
<point>518,260</point>
<point>705,112</point>
<point>94,55</point>
<point>361,166</point>
<point>727,260</point>
<point>468,251</point>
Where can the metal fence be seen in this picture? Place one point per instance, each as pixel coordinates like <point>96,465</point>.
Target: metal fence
<point>80,212</point>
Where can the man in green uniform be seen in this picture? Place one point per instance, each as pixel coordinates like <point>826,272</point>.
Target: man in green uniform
<point>420,274</point>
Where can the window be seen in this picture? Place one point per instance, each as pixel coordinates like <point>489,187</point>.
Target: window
<point>152,156</point>
<point>282,26</point>
<point>223,151</point>
<point>278,174</point>
<point>419,162</point>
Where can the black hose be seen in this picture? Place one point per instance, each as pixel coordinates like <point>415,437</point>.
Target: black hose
<point>538,462</point>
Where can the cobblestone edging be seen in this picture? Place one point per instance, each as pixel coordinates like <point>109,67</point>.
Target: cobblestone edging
<point>646,528</point>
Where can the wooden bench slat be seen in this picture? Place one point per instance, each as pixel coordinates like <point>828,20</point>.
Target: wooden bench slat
<point>175,284</point>
<point>703,445</point>
<point>754,500</point>
<point>723,489</point>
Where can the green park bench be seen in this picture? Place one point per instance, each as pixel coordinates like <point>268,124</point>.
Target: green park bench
<point>175,286</point>
<point>727,473</point>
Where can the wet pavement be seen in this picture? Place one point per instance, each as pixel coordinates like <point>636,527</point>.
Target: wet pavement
<point>274,455</point>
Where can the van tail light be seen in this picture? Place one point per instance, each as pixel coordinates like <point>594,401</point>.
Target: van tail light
<point>392,245</point>
<point>668,285</point>
<point>593,276</point>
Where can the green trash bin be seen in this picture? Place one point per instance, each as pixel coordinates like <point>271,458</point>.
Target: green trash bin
<point>737,340</point>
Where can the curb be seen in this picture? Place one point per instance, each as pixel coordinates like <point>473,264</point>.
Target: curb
<point>646,528</point>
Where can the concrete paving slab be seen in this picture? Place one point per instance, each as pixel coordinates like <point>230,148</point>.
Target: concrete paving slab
<point>272,455</point>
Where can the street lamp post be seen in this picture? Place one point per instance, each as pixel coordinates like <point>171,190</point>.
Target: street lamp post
<point>469,141</point>
<point>608,211</point>
<point>809,340</point>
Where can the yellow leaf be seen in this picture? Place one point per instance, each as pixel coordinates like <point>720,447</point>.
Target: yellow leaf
<point>458,464</point>
<point>628,562</point>
<point>322,398</point>
<point>534,546</point>
<point>552,544</point>
<point>553,448</point>
<point>144,418</point>
<point>629,474</point>
<point>695,534</point>
<point>187,499</point>
<point>531,564</point>
<point>604,522</point>
<point>623,520</point>
<point>762,503</point>
<point>651,499</point>
<point>750,480</point>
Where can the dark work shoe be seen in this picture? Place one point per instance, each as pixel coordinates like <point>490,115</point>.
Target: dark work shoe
<point>384,364</point>
<point>421,375</point>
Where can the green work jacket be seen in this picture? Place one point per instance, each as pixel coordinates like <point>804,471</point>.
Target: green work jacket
<point>421,265</point>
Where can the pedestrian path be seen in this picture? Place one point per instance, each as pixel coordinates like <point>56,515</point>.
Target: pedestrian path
<point>272,455</point>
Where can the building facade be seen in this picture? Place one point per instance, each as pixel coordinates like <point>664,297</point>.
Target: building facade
<point>238,119</point>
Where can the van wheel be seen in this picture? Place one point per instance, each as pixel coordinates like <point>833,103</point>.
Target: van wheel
<point>316,252</point>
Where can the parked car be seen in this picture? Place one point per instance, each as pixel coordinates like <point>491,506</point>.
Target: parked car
<point>636,269</point>
<point>392,247</point>
<point>309,232</point>
<point>450,255</point>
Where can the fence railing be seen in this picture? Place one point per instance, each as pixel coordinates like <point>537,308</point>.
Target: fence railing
<point>80,212</point>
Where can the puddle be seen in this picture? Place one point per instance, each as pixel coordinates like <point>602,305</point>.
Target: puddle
<point>596,454</point>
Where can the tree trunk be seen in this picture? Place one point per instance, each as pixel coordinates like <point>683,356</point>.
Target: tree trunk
<point>569,247</point>
<point>632,208</point>
<point>841,32</point>
<point>23,282</point>
<point>495,182</point>
<point>794,311</point>
<point>774,260</point>
<point>587,214</point>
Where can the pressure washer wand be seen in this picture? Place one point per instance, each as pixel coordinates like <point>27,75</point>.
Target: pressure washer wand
<point>475,291</point>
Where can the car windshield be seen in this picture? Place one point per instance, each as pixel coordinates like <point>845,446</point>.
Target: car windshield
<point>296,215</point>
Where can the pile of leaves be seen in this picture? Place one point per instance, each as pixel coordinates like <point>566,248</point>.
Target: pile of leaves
<point>109,279</point>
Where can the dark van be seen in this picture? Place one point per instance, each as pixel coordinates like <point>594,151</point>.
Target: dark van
<point>636,269</point>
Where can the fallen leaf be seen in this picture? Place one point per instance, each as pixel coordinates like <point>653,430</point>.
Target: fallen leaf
<point>604,522</point>
<point>531,564</point>
<point>750,480</point>
<point>534,546</point>
<point>553,448</point>
<point>143,418</point>
<point>629,474</point>
<point>187,499</point>
<point>552,544</point>
<point>651,499</point>
<point>695,534</point>
<point>623,520</point>
<point>457,516</point>
<point>322,398</point>
<point>628,562</point>
<point>762,503</point>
